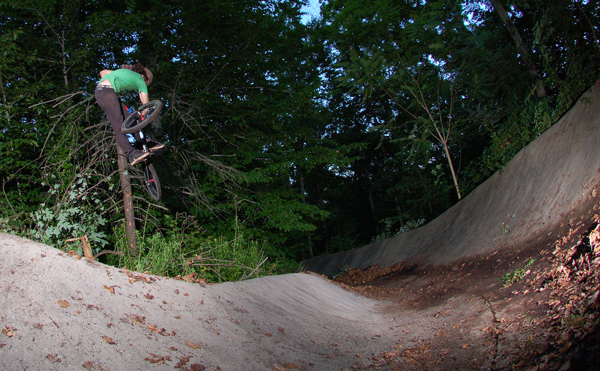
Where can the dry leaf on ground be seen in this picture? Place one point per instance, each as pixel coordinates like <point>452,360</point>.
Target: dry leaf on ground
<point>64,303</point>
<point>53,358</point>
<point>9,331</point>
<point>156,359</point>
<point>108,340</point>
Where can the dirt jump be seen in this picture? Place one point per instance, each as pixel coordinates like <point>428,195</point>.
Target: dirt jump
<point>506,279</point>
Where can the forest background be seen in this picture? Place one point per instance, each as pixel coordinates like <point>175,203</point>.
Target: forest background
<point>288,136</point>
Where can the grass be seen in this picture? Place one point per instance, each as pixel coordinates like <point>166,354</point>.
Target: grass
<point>214,259</point>
<point>514,277</point>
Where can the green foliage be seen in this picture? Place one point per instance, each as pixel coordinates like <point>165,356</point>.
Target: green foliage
<point>388,230</point>
<point>77,214</point>
<point>221,259</point>
<point>514,277</point>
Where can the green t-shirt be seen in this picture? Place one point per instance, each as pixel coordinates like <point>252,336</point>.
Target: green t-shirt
<point>126,80</point>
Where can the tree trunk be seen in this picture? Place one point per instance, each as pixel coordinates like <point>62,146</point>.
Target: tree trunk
<point>127,203</point>
<point>454,178</point>
<point>310,247</point>
<point>516,36</point>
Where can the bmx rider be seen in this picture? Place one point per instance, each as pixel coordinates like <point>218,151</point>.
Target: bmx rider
<point>125,79</point>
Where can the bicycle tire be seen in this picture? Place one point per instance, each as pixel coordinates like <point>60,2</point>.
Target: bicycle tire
<point>132,123</point>
<point>151,182</point>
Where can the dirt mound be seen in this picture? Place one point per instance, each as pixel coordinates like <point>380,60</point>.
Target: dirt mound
<point>537,308</point>
<point>546,185</point>
<point>62,313</point>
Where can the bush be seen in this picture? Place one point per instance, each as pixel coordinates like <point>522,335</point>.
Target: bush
<point>74,214</point>
<point>216,259</point>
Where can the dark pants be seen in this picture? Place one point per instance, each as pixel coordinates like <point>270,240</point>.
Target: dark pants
<point>116,111</point>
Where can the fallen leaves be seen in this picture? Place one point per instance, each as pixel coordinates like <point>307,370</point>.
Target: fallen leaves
<point>162,331</point>
<point>64,304</point>
<point>137,277</point>
<point>91,366</point>
<point>9,331</point>
<point>108,340</point>
<point>193,345</point>
<point>184,361</point>
<point>359,276</point>
<point>111,289</point>
<point>192,278</point>
<point>158,360</point>
<point>53,358</point>
<point>286,367</point>
<point>73,254</point>
<point>134,318</point>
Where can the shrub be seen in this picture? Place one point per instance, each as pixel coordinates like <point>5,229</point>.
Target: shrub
<point>216,259</point>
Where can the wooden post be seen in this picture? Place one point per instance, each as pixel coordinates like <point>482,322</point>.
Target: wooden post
<point>85,246</point>
<point>127,203</point>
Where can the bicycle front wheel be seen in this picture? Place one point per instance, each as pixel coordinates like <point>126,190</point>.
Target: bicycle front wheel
<point>151,181</point>
<point>134,122</point>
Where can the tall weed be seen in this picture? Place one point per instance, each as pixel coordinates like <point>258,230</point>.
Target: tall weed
<point>216,259</point>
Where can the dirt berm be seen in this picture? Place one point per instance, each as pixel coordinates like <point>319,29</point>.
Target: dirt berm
<point>546,185</point>
<point>58,312</point>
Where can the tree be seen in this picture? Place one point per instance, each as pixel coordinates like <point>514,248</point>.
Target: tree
<point>520,44</point>
<point>420,75</point>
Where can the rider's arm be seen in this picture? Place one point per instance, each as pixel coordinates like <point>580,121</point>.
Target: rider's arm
<point>144,97</point>
<point>104,73</point>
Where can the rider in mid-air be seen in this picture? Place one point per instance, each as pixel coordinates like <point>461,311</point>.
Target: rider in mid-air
<point>127,78</point>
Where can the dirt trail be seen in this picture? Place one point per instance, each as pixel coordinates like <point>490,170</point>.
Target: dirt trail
<point>62,313</point>
<point>534,308</point>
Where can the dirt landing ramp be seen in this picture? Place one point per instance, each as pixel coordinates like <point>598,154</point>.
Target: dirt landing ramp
<point>60,313</point>
<point>549,182</point>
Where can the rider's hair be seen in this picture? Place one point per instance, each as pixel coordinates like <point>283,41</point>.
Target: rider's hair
<point>137,67</point>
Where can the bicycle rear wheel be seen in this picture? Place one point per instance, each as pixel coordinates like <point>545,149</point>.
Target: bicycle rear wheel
<point>134,123</point>
<point>151,181</point>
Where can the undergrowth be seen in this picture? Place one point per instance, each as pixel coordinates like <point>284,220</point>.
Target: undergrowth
<point>215,259</point>
<point>514,277</point>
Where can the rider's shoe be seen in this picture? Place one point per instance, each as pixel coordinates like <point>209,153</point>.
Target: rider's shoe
<point>156,147</point>
<point>138,157</point>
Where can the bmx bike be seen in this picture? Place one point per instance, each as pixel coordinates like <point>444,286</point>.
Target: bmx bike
<point>137,124</point>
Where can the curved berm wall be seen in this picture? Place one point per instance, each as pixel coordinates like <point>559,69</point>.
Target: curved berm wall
<point>547,184</point>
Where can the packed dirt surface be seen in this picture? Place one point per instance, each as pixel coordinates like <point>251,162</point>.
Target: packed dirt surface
<point>535,308</point>
<point>63,312</point>
<point>532,308</point>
